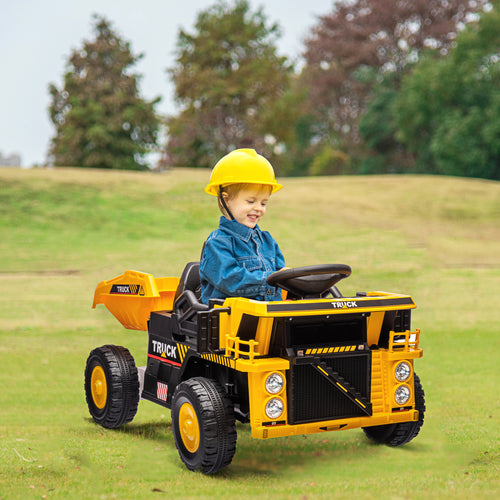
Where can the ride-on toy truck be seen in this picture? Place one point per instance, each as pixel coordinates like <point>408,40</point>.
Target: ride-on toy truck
<point>313,363</point>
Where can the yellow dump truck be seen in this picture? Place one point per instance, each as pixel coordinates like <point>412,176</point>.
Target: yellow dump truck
<point>312,363</point>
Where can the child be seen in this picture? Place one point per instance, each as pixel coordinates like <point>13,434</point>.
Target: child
<point>238,257</point>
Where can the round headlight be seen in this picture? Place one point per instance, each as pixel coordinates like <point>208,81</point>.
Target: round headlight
<point>402,371</point>
<point>274,408</point>
<point>274,383</point>
<point>402,394</point>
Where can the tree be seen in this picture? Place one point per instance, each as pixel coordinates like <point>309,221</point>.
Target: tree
<point>351,49</point>
<point>448,110</point>
<point>293,123</point>
<point>378,129</point>
<point>227,77</point>
<point>99,117</point>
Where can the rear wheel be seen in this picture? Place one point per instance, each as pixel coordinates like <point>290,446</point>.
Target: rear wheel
<point>111,386</point>
<point>404,432</point>
<point>204,425</point>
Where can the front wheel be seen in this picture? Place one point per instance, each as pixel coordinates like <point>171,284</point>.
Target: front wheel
<point>111,386</point>
<point>404,432</point>
<point>204,425</point>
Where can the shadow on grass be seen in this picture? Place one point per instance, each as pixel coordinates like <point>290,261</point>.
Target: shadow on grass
<point>276,456</point>
<point>155,431</point>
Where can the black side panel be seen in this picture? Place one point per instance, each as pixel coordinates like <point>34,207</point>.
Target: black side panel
<point>248,327</point>
<point>161,324</point>
<point>397,321</point>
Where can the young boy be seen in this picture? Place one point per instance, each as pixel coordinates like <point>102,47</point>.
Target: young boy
<point>238,257</point>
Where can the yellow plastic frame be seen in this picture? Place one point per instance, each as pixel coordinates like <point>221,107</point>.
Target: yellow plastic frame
<point>145,294</point>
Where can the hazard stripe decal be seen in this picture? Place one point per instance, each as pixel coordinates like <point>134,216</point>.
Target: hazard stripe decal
<point>220,360</point>
<point>329,350</point>
<point>182,350</point>
<point>348,391</point>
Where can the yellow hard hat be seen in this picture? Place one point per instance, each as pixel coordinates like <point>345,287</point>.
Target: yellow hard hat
<point>242,166</point>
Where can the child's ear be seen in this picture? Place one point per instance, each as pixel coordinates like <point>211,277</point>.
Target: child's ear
<point>225,196</point>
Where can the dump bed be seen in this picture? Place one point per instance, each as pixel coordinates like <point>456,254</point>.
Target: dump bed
<point>133,295</point>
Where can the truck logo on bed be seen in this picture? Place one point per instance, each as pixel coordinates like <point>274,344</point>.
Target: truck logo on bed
<point>344,305</point>
<point>127,289</point>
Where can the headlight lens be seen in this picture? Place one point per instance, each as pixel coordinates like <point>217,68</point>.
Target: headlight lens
<point>274,408</point>
<point>274,383</point>
<point>402,394</point>
<point>402,371</point>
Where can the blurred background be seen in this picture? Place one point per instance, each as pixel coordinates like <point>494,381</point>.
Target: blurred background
<point>320,88</point>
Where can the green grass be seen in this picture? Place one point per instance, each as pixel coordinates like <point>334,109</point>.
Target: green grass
<point>63,231</point>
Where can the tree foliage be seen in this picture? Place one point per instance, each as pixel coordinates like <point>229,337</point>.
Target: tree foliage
<point>352,48</point>
<point>99,117</point>
<point>448,110</point>
<point>378,129</point>
<point>227,78</point>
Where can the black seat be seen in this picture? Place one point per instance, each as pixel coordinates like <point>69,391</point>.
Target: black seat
<point>187,300</point>
<point>190,280</point>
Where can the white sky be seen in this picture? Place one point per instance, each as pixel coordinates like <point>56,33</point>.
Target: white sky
<point>37,37</point>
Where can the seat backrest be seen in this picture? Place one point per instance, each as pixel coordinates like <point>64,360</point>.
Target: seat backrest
<point>190,280</point>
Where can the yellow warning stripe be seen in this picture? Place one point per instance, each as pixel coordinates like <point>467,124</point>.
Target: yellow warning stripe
<point>342,387</point>
<point>360,403</point>
<point>321,370</point>
<point>182,350</point>
<point>329,350</point>
<point>220,360</point>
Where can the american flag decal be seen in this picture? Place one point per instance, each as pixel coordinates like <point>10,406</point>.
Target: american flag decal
<point>161,391</point>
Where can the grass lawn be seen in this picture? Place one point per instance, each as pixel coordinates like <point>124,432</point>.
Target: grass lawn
<point>62,231</point>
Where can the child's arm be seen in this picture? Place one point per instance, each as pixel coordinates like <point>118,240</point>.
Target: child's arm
<point>233,276</point>
<point>280,259</point>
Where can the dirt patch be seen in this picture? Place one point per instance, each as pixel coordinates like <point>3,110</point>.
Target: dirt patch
<point>44,272</point>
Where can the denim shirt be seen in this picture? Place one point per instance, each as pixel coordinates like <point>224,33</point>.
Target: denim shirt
<point>236,262</point>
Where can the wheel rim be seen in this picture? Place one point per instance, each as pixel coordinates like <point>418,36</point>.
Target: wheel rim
<point>99,387</point>
<point>189,427</point>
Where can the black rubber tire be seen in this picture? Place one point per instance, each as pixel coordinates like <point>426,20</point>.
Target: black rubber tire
<point>120,401</point>
<point>404,432</point>
<point>216,424</point>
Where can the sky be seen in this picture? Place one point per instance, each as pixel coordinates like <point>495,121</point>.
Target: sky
<point>37,38</point>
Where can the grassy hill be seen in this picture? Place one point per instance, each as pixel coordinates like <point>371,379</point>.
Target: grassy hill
<point>62,231</point>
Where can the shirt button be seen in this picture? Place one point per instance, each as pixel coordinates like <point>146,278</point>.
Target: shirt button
<point>268,292</point>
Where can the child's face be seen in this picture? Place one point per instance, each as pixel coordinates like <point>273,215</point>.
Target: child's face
<point>248,206</point>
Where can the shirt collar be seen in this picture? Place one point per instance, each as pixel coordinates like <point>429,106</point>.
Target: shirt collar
<point>240,230</point>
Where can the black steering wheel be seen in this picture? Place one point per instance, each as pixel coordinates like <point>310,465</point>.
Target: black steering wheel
<point>309,281</point>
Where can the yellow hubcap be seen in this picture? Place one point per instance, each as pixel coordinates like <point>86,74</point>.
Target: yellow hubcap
<point>189,427</point>
<point>99,387</point>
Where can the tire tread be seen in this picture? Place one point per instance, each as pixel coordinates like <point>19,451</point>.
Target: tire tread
<point>122,384</point>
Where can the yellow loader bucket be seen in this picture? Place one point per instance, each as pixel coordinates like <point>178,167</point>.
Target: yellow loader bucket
<point>132,296</point>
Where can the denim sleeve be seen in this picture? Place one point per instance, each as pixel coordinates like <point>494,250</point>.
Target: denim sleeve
<point>280,259</point>
<point>224,271</point>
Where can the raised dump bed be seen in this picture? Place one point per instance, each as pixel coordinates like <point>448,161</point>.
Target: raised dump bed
<point>132,296</point>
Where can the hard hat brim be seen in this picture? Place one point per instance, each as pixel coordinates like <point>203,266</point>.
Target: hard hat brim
<point>213,188</point>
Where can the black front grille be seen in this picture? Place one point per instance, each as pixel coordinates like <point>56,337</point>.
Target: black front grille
<point>313,397</point>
